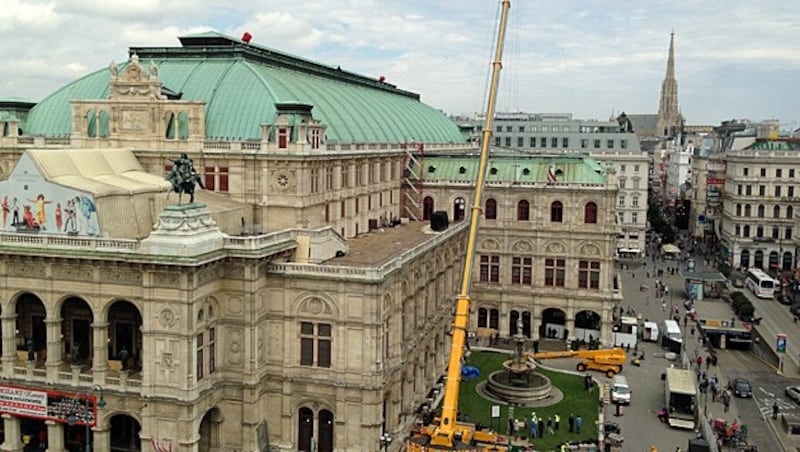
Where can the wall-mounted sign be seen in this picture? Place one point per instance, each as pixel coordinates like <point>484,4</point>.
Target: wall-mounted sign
<point>48,405</point>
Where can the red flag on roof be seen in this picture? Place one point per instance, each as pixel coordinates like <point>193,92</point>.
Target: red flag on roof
<point>246,37</point>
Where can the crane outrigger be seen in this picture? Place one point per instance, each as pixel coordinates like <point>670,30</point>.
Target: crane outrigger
<point>446,433</point>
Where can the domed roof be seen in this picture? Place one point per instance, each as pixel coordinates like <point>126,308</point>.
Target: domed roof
<point>241,83</point>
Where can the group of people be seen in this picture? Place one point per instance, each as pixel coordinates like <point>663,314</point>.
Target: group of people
<point>539,427</point>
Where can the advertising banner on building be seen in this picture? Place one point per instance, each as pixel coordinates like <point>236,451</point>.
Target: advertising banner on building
<point>48,405</point>
<point>23,402</point>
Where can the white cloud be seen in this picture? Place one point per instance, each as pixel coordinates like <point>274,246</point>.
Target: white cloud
<point>25,16</point>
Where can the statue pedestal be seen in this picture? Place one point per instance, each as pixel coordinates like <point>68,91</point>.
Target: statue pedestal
<point>184,230</point>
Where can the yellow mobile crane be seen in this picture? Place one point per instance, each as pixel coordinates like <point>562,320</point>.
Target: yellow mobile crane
<point>609,361</point>
<point>446,433</point>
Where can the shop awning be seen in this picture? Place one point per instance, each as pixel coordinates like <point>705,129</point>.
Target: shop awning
<point>670,249</point>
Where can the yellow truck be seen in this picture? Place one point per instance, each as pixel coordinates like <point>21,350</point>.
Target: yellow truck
<point>608,361</point>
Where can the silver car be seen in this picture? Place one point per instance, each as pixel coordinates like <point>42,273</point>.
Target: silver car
<point>793,392</point>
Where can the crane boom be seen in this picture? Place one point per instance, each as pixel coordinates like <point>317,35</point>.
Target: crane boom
<point>445,431</point>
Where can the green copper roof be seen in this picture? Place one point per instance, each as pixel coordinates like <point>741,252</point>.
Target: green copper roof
<point>241,84</point>
<point>568,169</point>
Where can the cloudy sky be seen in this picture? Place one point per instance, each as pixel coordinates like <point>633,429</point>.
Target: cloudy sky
<point>735,59</point>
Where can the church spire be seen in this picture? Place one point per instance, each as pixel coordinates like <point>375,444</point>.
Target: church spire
<point>669,115</point>
<point>671,57</point>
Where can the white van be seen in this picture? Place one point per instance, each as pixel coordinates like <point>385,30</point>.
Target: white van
<point>650,332</point>
<point>620,391</point>
<point>672,331</point>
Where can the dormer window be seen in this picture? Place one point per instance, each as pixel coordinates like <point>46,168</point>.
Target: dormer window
<point>314,138</point>
<point>493,171</point>
<point>526,171</point>
<point>431,169</point>
<point>283,137</point>
<point>462,170</point>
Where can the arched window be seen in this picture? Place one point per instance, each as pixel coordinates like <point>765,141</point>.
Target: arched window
<point>758,260</point>
<point>746,230</point>
<point>523,211</point>
<point>483,317</point>
<point>789,212</point>
<point>747,210</point>
<point>761,211</point>
<point>459,209</point>
<point>556,212</point>
<point>491,209</point>
<point>494,318</point>
<point>744,261</point>
<point>776,212</point>
<point>427,208</point>
<point>183,125</point>
<point>738,210</point>
<point>305,429</point>
<point>759,231</point>
<point>104,127</point>
<point>590,213</point>
<point>91,124</point>
<point>325,431</point>
<point>169,126</point>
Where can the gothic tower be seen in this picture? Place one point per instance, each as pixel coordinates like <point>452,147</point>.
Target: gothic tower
<point>670,121</point>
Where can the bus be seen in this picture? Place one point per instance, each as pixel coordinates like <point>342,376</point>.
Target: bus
<point>680,398</point>
<point>760,283</point>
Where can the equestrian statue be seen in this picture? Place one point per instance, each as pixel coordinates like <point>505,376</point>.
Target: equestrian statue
<point>183,178</point>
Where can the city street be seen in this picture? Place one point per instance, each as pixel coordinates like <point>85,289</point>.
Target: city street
<point>648,389</point>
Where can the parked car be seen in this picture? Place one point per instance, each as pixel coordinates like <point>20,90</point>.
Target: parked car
<point>793,392</point>
<point>741,387</point>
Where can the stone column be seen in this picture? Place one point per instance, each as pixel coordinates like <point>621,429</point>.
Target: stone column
<point>54,341</point>
<point>101,439</point>
<point>9,322</point>
<point>570,326</point>
<point>55,436</point>
<point>13,434</point>
<point>99,352</point>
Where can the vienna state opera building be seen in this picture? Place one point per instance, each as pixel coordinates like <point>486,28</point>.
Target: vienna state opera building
<point>303,300</point>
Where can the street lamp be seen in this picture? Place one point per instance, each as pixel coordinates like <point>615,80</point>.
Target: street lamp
<point>386,439</point>
<point>73,418</point>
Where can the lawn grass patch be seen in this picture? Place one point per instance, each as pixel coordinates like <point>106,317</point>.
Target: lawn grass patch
<point>576,400</point>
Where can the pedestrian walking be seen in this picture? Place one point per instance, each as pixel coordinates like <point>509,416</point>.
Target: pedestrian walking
<point>578,424</point>
<point>541,427</point>
<point>550,430</point>
<point>663,306</point>
<point>775,410</point>
<point>556,420</point>
<point>533,428</point>
<point>571,422</point>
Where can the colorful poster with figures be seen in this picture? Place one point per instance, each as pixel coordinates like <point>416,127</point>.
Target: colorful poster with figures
<point>30,203</point>
<point>781,345</point>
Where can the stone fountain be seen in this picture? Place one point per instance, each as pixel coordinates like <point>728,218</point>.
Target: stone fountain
<point>518,383</point>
